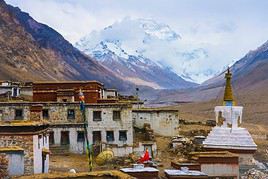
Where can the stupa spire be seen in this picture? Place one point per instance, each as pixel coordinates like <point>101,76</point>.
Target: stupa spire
<point>228,99</point>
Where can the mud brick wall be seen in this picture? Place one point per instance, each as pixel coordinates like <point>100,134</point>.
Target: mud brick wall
<point>25,142</point>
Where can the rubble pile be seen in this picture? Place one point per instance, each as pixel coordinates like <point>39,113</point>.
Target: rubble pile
<point>196,132</point>
<point>182,146</point>
<point>148,132</point>
<point>254,174</point>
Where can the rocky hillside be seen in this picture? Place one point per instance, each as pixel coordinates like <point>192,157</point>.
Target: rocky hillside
<point>33,51</point>
<point>250,81</point>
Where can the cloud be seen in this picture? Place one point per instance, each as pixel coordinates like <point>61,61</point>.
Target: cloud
<point>226,29</point>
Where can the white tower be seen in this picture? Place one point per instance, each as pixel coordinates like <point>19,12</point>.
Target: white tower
<point>227,134</point>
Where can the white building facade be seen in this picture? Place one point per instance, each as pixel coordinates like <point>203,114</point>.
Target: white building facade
<point>164,122</point>
<point>110,126</point>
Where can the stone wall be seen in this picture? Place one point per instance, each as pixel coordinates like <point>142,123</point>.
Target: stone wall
<point>57,112</point>
<point>25,142</point>
<point>3,165</point>
<point>60,121</point>
<point>8,112</point>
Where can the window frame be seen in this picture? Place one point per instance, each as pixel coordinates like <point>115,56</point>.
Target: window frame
<point>47,112</point>
<point>100,115</point>
<point>120,135</point>
<point>116,119</point>
<point>70,116</point>
<point>18,117</point>
<point>111,132</point>
<point>79,136</point>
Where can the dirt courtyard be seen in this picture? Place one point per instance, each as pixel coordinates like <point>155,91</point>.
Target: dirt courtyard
<point>63,163</point>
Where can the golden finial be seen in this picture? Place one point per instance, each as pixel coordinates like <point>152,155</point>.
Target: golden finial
<point>228,92</point>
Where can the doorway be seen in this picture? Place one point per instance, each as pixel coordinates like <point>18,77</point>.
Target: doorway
<point>65,140</point>
<point>96,142</point>
<point>150,150</point>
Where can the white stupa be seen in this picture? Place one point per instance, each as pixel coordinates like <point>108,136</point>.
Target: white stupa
<point>228,135</point>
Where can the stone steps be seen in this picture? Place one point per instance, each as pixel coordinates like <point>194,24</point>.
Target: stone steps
<point>59,149</point>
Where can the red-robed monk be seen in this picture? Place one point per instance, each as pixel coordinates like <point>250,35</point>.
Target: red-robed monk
<point>145,157</point>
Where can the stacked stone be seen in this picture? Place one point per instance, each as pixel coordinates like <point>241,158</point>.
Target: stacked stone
<point>149,133</point>
<point>25,142</point>
<point>254,174</point>
<point>3,166</point>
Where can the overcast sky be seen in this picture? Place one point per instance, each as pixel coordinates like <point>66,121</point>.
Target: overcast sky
<point>230,28</point>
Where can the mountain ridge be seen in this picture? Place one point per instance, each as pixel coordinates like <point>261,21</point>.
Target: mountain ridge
<point>34,51</point>
<point>131,63</point>
<point>250,80</point>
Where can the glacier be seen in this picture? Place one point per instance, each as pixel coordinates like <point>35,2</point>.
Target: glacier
<point>154,43</point>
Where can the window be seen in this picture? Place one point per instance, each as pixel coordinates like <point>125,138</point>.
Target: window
<point>80,136</point>
<point>110,136</point>
<point>39,139</point>
<point>96,115</point>
<point>116,115</point>
<point>122,135</point>
<point>70,114</point>
<point>18,114</point>
<point>45,113</point>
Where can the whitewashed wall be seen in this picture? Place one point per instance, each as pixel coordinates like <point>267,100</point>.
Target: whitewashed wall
<point>163,123</point>
<point>37,150</point>
<point>75,146</point>
<point>108,124</point>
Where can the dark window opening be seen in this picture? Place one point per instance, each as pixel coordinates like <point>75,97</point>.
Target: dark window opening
<point>122,135</point>
<point>18,114</point>
<point>110,136</point>
<point>45,113</point>
<point>96,115</point>
<point>116,115</point>
<point>15,94</point>
<point>70,114</point>
<point>39,138</point>
<point>51,137</point>
<point>64,100</point>
<point>80,136</point>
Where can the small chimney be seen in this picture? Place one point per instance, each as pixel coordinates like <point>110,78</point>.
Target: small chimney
<point>36,112</point>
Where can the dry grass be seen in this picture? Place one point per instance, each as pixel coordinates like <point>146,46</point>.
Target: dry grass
<point>97,174</point>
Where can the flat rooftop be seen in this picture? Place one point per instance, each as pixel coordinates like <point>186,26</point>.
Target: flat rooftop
<point>154,110</point>
<point>218,154</point>
<point>11,149</point>
<point>66,82</point>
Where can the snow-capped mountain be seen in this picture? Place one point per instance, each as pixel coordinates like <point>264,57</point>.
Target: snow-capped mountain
<point>145,52</point>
